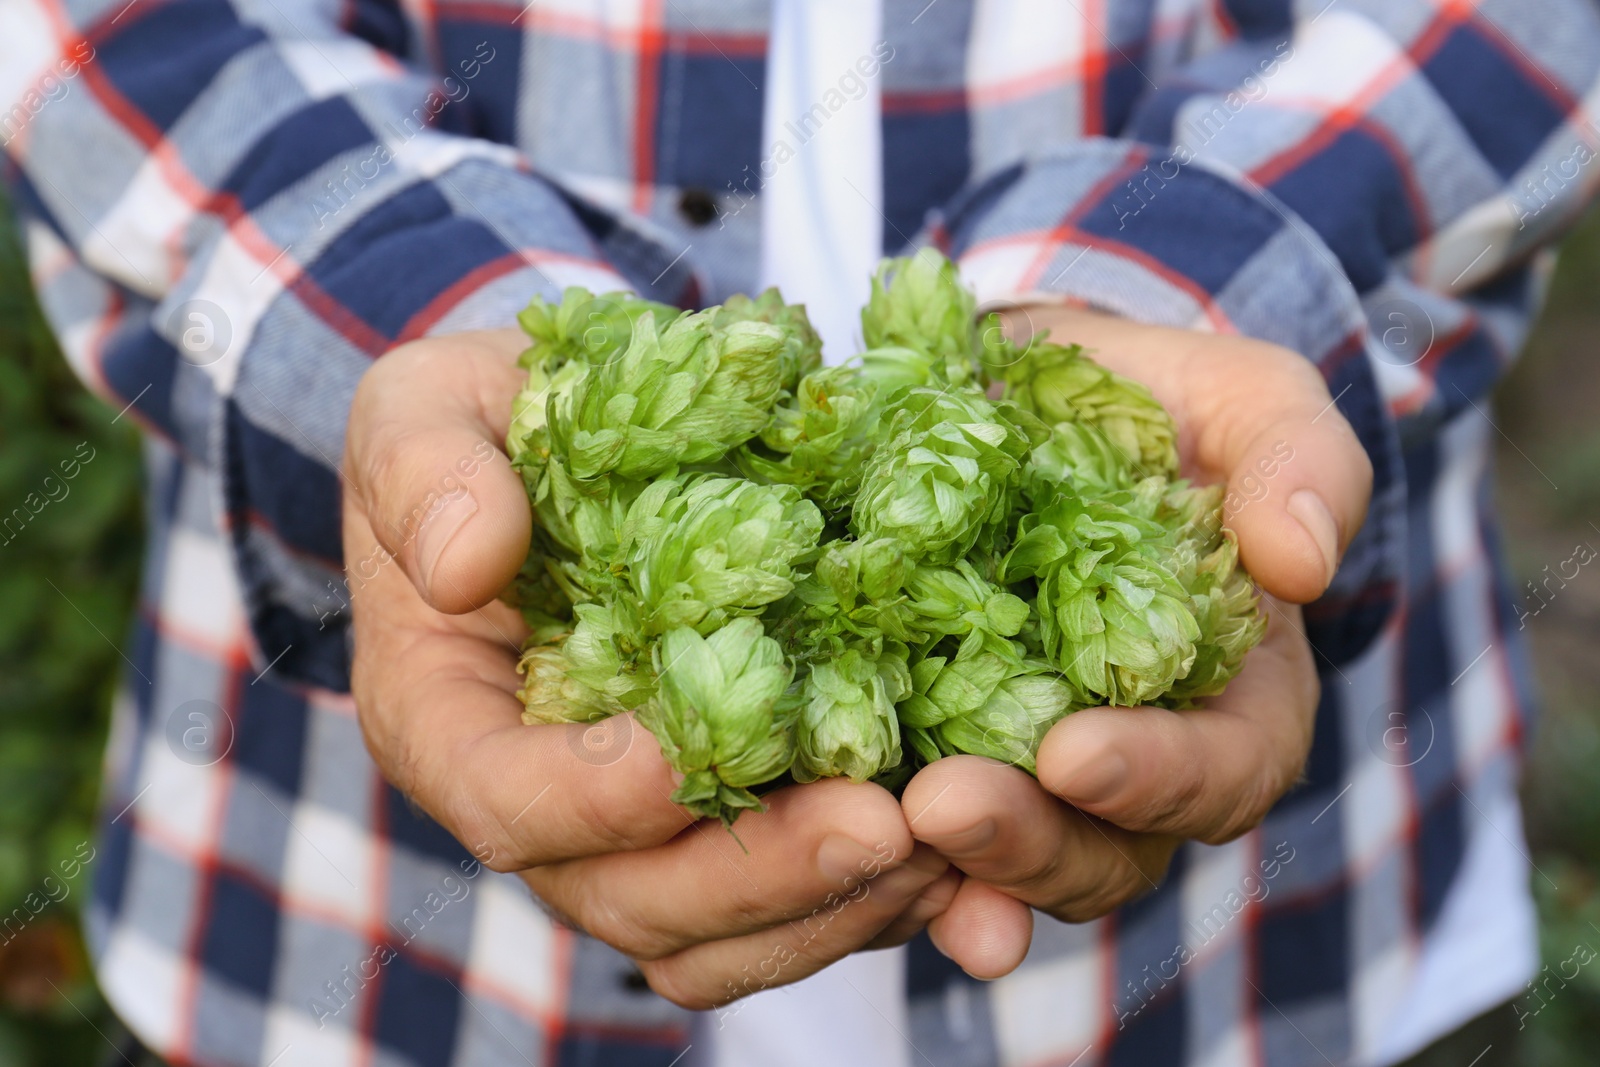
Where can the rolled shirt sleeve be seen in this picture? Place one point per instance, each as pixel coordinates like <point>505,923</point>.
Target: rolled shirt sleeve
<point>1367,185</point>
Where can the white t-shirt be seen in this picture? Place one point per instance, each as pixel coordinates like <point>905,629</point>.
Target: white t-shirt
<point>821,235</point>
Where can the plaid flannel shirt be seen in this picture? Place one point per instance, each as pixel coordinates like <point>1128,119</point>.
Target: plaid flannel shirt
<point>232,206</point>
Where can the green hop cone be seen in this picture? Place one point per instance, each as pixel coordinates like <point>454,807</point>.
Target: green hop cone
<point>846,596</point>
<point>1079,454</point>
<point>583,327</point>
<point>847,725</point>
<point>994,703</point>
<point>892,368</point>
<point>924,320</point>
<point>1062,384</point>
<point>702,550</point>
<point>597,669</point>
<point>550,694</point>
<point>956,601</point>
<point>722,716</point>
<point>538,594</point>
<point>567,337</point>
<point>577,529</point>
<point>1228,612</point>
<point>850,571</point>
<point>875,589</point>
<point>1223,599</point>
<point>801,353</point>
<point>685,394</point>
<point>860,571</point>
<point>945,480</point>
<point>527,438</point>
<point>1113,615</point>
<point>822,440</point>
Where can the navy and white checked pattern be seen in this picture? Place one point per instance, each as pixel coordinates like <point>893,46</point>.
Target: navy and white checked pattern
<point>336,176</point>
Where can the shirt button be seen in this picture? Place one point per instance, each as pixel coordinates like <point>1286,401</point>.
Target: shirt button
<point>697,206</point>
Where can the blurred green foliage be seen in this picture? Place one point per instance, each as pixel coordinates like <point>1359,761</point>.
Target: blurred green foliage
<point>1546,413</point>
<point>67,580</point>
<point>67,584</point>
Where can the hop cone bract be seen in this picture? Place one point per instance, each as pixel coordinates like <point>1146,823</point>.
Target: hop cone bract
<point>986,703</point>
<point>721,716</point>
<point>702,550</point>
<point>1060,384</point>
<point>685,394</point>
<point>821,440</point>
<point>1112,616</point>
<point>946,477</point>
<point>847,725</point>
<point>919,307</point>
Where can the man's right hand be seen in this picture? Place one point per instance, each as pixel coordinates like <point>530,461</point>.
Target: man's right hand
<point>436,524</point>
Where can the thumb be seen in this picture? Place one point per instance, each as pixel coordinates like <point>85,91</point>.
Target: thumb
<point>424,460</point>
<point>1297,493</point>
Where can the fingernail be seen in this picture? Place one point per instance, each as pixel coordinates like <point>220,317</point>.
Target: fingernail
<point>1094,781</point>
<point>1309,511</point>
<point>842,859</point>
<point>439,529</point>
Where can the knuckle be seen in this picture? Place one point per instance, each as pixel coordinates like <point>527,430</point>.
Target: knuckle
<point>1362,463</point>
<point>397,756</point>
<point>369,404</point>
<point>614,828</point>
<point>389,462</point>
<point>364,675</point>
<point>1041,867</point>
<point>598,915</point>
<point>1134,876</point>
<point>1287,366</point>
<point>364,402</point>
<point>1280,762</point>
<point>1282,373</point>
<point>743,911</point>
<point>483,834</point>
<point>1249,810</point>
<point>1185,795</point>
<point>1304,376</point>
<point>1175,800</point>
<point>403,360</point>
<point>1101,899</point>
<point>668,983</point>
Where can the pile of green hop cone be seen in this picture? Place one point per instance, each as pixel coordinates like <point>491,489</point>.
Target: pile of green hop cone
<point>789,571</point>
